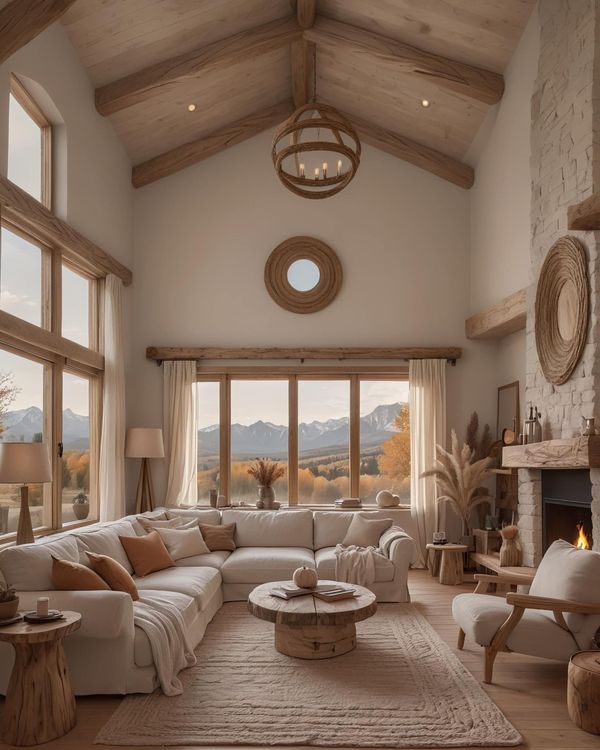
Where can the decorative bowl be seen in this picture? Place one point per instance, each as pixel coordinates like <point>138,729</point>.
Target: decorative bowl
<point>9,609</point>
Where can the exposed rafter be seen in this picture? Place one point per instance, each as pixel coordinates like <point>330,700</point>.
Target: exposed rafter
<point>195,151</point>
<point>476,83</point>
<point>415,153</point>
<point>302,56</point>
<point>22,20</point>
<point>306,11</point>
<point>147,83</point>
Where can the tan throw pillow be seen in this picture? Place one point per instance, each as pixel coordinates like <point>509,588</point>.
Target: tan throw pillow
<point>183,542</point>
<point>147,554</point>
<point>218,537</point>
<point>365,532</point>
<point>72,576</point>
<point>114,574</point>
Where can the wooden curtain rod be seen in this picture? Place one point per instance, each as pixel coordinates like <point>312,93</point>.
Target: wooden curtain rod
<point>162,353</point>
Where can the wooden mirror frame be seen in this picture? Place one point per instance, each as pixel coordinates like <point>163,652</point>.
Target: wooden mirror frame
<point>502,390</point>
<point>303,248</point>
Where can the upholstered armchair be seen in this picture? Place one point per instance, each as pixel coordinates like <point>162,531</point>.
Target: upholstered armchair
<point>559,616</point>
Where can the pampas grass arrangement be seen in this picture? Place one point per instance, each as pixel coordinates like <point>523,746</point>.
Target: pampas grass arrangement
<point>459,479</point>
<point>265,471</point>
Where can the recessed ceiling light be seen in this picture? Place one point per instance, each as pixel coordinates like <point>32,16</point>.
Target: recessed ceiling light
<point>425,103</point>
<point>191,107</point>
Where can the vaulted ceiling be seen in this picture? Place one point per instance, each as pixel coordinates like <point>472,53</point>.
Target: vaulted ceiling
<point>245,64</point>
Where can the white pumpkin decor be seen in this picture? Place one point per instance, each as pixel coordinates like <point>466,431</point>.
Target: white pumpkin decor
<point>385,499</point>
<point>396,500</point>
<point>305,578</point>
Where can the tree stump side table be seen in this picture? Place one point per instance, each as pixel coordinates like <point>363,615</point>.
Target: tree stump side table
<point>451,564</point>
<point>39,705</point>
<point>583,691</point>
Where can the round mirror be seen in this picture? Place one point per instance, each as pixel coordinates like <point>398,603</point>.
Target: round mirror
<point>303,275</point>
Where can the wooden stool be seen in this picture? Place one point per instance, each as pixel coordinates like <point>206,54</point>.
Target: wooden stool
<point>583,691</point>
<point>40,705</point>
<point>451,565</point>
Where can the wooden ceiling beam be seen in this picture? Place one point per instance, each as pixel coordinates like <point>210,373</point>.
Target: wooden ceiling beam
<point>433,161</point>
<point>162,353</point>
<point>460,78</point>
<point>302,56</point>
<point>22,20</point>
<point>190,153</point>
<point>499,320</point>
<point>306,11</point>
<point>147,83</point>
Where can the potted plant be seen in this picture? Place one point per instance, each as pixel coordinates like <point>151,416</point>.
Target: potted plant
<point>266,473</point>
<point>81,506</point>
<point>459,481</point>
<point>9,603</point>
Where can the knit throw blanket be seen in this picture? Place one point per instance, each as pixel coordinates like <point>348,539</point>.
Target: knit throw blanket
<point>357,564</point>
<point>171,648</point>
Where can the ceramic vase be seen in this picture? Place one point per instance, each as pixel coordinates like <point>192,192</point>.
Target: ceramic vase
<point>267,496</point>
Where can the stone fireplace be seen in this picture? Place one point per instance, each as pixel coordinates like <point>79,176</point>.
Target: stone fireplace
<point>567,507</point>
<point>565,169</point>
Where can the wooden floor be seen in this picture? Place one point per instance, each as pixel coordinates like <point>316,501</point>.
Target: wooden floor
<point>531,692</point>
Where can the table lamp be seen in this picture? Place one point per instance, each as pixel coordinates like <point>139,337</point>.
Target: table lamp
<point>24,464</point>
<point>144,443</point>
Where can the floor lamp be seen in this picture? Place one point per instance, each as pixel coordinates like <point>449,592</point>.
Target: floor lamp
<point>144,443</point>
<point>24,464</point>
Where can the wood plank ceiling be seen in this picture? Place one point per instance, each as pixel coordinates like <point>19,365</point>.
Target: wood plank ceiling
<point>244,64</point>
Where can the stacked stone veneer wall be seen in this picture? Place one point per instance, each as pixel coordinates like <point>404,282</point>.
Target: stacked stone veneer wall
<point>565,169</point>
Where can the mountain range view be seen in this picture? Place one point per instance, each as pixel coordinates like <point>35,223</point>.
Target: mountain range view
<point>259,438</point>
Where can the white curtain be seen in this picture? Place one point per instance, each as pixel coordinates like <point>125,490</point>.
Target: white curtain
<point>180,425</point>
<point>112,440</point>
<point>427,380</point>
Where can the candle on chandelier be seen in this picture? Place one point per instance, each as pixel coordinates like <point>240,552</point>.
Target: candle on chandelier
<point>324,170</point>
<point>316,173</point>
<point>301,170</point>
<point>339,169</point>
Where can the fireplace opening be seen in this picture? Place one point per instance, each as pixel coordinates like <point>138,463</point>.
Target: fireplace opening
<point>566,508</point>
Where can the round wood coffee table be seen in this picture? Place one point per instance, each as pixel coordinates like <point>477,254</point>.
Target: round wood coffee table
<point>40,705</point>
<point>309,628</point>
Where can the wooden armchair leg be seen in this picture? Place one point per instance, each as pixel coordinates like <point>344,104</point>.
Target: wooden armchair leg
<point>499,641</point>
<point>461,639</point>
<point>488,669</point>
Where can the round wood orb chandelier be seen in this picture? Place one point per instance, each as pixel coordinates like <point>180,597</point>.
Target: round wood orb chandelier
<point>316,152</point>
<point>322,287</point>
<point>562,309</point>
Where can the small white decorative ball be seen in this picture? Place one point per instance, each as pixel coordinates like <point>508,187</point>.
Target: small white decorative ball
<point>384,499</point>
<point>396,500</point>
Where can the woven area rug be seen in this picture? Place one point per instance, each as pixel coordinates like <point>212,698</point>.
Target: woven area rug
<point>401,687</point>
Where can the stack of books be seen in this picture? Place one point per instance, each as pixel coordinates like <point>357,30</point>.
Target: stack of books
<point>326,591</point>
<point>348,502</point>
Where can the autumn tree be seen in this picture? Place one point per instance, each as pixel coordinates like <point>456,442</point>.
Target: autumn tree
<point>8,393</point>
<point>394,462</point>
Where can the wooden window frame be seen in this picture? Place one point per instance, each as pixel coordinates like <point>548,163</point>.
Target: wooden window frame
<point>293,375</point>
<point>26,100</point>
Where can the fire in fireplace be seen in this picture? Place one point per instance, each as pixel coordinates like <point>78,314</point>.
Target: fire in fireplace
<point>566,507</point>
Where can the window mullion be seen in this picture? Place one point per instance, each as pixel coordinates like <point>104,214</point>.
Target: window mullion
<point>54,415</point>
<point>354,435</point>
<point>225,435</point>
<point>293,440</point>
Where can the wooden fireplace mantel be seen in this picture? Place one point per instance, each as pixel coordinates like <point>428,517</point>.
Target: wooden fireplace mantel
<point>563,453</point>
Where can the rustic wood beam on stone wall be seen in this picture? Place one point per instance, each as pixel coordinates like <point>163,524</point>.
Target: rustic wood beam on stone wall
<point>563,453</point>
<point>149,82</point>
<point>585,215</point>
<point>162,353</point>
<point>413,152</point>
<point>190,153</point>
<point>31,216</point>
<point>499,320</point>
<point>22,20</point>
<point>468,80</point>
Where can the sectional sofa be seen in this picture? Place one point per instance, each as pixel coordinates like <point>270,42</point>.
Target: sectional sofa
<point>110,655</point>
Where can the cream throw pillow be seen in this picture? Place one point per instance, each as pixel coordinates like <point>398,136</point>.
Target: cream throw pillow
<point>365,532</point>
<point>183,542</point>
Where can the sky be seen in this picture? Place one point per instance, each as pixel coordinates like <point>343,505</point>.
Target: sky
<point>266,400</point>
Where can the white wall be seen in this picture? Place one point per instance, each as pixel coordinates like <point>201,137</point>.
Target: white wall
<point>202,237</point>
<point>500,202</point>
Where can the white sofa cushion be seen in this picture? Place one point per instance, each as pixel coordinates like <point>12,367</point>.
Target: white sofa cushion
<point>262,564</point>
<point>212,516</point>
<point>325,561</point>
<point>330,527</point>
<point>104,540</point>
<point>266,528</point>
<point>211,560</point>
<point>566,573</point>
<point>182,543</point>
<point>28,567</point>
<point>142,651</point>
<point>365,532</point>
<point>199,583</point>
<point>480,616</point>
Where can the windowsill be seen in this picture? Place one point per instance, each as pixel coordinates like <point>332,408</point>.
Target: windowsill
<point>10,539</point>
<point>304,506</point>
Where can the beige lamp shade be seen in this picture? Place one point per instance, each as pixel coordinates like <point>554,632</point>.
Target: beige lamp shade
<point>144,442</point>
<point>24,463</point>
